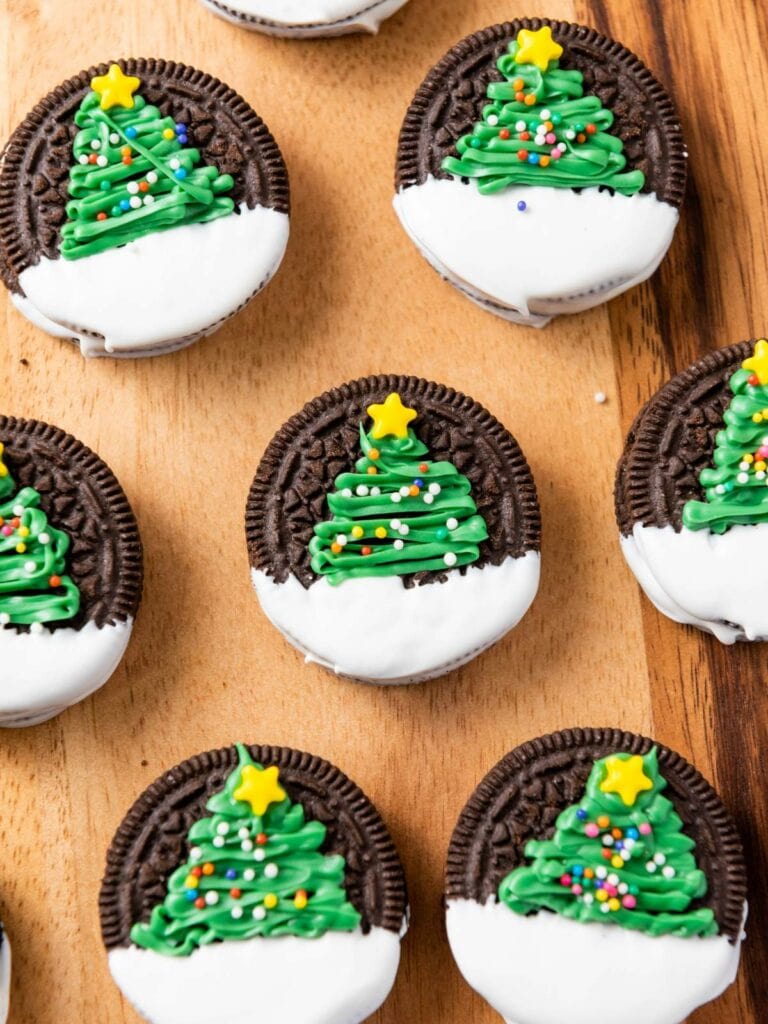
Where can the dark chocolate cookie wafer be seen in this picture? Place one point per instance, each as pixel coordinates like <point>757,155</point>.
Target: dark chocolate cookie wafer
<point>441,466</point>
<point>587,840</point>
<point>691,496</point>
<point>202,159</point>
<point>240,846</point>
<point>72,568</point>
<point>525,132</point>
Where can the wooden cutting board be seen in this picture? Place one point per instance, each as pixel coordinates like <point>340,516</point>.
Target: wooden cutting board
<point>184,434</point>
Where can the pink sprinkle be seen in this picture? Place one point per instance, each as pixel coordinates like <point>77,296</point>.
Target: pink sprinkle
<point>550,138</point>
<point>565,880</point>
<point>629,902</point>
<point>645,829</point>
<point>555,153</point>
<point>576,890</point>
<point>762,451</point>
<point>7,531</point>
<point>591,830</point>
<point>611,890</point>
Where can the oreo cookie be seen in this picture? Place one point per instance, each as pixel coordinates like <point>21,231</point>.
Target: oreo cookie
<point>142,203</point>
<point>393,530</point>
<point>306,19</point>
<point>540,169</point>
<point>70,571</point>
<point>604,860</point>
<point>692,494</point>
<point>243,871</point>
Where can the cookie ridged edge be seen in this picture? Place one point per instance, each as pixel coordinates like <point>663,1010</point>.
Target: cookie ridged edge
<point>391,896</point>
<point>463,848</point>
<point>416,124</point>
<point>13,258</point>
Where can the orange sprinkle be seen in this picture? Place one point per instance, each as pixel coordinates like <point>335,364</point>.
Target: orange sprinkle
<point>372,471</point>
<point>581,137</point>
<point>518,84</point>
<point>520,97</point>
<point>544,162</point>
<point>54,581</point>
<point>530,99</point>
<point>125,151</point>
<point>616,833</point>
<point>143,186</point>
<point>208,869</point>
<point>373,454</point>
<point>413,490</point>
<point>603,821</point>
<point>548,125</point>
<point>423,467</point>
<point>127,161</point>
<point>589,873</point>
<point>336,548</point>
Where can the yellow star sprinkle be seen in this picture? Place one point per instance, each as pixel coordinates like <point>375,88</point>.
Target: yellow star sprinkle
<point>537,47</point>
<point>758,363</point>
<point>390,418</point>
<point>626,777</point>
<point>259,788</point>
<point>115,88</point>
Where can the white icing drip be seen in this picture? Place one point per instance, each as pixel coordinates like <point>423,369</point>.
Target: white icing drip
<point>340,978</point>
<point>547,969</point>
<point>718,582</point>
<point>41,674</point>
<point>567,252</point>
<point>379,631</point>
<point>5,978</point>
<point>316,17</point>
<point>160,290</point>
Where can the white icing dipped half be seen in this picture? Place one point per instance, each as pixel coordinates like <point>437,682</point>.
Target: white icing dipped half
<point>717,582</point>
<point>340,978</point>
<point>43,673</point>
<point>5,976</point>
<point>547,969</point>
<point>307,18</point>
<point>421,631</point>
<point>160,291</point>
<point>564,253</point>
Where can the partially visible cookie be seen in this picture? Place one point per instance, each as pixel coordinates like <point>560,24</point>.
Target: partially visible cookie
<point>306,19</point>
<point>142,203</point>
<point>5,974</point>
<point>692,494</point>
<point>393,530</point>
<point>540,169</point>
<point>253,876</point>
<point>70,571</point>
<point>602,860</point>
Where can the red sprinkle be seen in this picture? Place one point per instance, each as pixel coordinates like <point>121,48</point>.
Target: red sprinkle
<point>101,216</point>
<point>504,133</point>
<point>522,154</point>
<point>200,903</point>
<point>591,129</point>
<point>261,839</point>
<point>366,550</point>
<point>235,894</point>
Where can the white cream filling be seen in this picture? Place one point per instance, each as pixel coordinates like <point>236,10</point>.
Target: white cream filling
<point>159,290</point>
<point>5,978</point>
<point>718,582</point>
<point>566,252</point>
<point>340,978</point>
<point>43,673</point>
<point>547,969</point>
<point>313,17</point>
<point>377,630</point>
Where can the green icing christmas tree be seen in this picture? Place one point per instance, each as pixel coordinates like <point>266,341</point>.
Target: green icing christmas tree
<point>135,172</point>
<point>736,489</point>
<point>540,129</point>
<point>34,587</point>
<point>397,512</point>
<point>619,856</point>
<point>254,869</point>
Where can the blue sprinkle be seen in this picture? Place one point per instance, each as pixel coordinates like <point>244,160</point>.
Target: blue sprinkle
<point>182,139</point>
<point>533,158</point>
<point>131,133</point>
<point>581,813</point>
<point>231,873</point>
<point>180,173</point>
<point>632,833</point>
<point>578,871</point>
<point>418,482</point>
<point>105,186</point>
<point>522,207</point>
<point>191,895</point>
<point>180,128</point>
<point>125,204</point>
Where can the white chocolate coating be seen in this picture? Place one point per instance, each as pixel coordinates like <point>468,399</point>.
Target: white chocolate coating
<point>718,582</point>
<point>41,674</point>
<point>547,969</point>
<point>5,978</point>
<point>306,19</point>
<point>420,632</point>
<point>565,253</point>
<point>161,291</point>
<point>340,978</point>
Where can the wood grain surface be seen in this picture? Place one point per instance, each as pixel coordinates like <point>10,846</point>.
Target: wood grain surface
<point>184,434</point>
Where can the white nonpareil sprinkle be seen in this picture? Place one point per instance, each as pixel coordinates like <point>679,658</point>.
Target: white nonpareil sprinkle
<point>601,397</point>
<point>449,558</point>
<point>452,523</point>
<point>271,871</point>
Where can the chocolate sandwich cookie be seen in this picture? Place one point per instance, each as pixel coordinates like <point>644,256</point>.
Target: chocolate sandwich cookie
<point>306,19</point>
<point>141,204</point>
<point>692,494</point>
<point>70,571</point>
<point>5,975</point>
<point>253,883</point>
<point>393,530</point>
<point>540,169</point>
<point>595,863</point>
